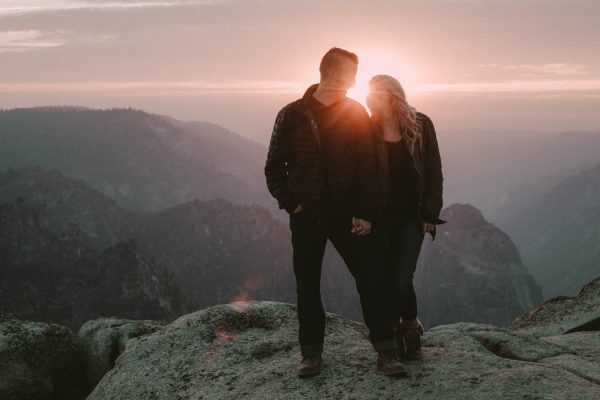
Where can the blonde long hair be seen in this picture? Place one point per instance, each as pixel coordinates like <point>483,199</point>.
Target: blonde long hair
<point>410,129</point>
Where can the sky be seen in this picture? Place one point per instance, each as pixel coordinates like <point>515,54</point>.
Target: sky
<point>526,65</point>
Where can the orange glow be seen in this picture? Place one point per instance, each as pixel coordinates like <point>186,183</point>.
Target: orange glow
<point>240,302</point>
<point>221,334</point>
<point>224,334</point>
<point>373,63</point>
<point>241,298</point>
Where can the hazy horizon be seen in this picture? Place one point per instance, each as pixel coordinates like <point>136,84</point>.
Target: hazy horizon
<point>488,65</point>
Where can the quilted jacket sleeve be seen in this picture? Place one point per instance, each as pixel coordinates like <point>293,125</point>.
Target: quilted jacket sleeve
<point>276,167</point>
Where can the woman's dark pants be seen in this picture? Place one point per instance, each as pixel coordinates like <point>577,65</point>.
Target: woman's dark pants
<point>398,243</point>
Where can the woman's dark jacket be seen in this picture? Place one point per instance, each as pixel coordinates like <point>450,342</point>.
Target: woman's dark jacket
<point>295,166</point>
<point>427,163</point>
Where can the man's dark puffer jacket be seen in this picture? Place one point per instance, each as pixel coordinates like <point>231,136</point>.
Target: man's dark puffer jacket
<point>295,162</point>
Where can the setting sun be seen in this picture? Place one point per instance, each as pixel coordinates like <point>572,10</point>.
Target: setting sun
<point>375,63</point>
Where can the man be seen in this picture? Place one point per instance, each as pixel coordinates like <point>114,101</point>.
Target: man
<point>321,167</point>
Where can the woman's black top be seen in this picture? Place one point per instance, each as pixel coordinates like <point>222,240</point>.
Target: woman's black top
<point>403,196</point>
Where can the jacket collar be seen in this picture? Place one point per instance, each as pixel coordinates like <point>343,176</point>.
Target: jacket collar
<point>308,93</point>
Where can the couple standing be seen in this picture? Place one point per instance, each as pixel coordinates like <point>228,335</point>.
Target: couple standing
<point>342,175</point>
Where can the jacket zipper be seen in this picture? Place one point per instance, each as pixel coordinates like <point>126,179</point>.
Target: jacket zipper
<point>315,131</point>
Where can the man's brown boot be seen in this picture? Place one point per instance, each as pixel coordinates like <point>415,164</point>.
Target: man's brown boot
<point>413,330</point>
<point>389,364</point>
<point>310,365</point>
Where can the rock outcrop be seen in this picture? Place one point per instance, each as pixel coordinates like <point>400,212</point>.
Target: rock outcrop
<point>249,351</point>
<point>103,340</point>
<point>562,315</point>
<point>39,362</point>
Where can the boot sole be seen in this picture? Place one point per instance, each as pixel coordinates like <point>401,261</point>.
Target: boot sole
<point>307,374</point>
<point>316,371</point>
<point>413,357</point>
<point>393,373</point>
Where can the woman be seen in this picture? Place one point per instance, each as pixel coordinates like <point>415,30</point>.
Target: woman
<point>410,175</point>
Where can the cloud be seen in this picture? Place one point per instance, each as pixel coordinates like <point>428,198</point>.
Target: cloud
<point>195,87</point>
<point>16,8</point>
<point>146,88</point>
<point>18,41</point>
<point>31,40</point>
<point>533,70</point>
<point>518,86</point>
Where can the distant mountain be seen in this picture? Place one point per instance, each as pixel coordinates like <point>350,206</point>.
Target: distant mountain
<point>559,233</point>
<point>496,171</point>
<point>224,140</point>
<point>59,276</point>
<point>70,201</point>
<point>145,162</point>
<point>220,252</point>
<point>472,272</point>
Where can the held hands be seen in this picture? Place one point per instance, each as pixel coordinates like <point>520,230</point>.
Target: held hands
<point>428,228</point>
<point>360,226</point>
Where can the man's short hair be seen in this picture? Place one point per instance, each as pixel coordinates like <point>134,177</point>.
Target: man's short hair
<point>332,59</point>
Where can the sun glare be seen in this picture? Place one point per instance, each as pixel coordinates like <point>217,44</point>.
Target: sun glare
<point>376,63</point>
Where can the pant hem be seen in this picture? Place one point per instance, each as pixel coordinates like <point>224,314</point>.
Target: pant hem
<point>384,345</point>
<point>309,350</point>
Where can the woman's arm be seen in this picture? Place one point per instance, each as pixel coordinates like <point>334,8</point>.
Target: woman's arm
<point>433,201</point>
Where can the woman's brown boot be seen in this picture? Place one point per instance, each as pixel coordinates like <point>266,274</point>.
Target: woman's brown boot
<point>399,334</point>
<point>412,331</point>
<point>389,364</point>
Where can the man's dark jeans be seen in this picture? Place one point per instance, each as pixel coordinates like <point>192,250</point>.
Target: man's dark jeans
<point>399,242</point>
<point>309,238</point>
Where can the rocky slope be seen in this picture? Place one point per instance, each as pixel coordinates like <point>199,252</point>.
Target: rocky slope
<point>472,272</point>
<point>102,340</point>
<point>558,233</point>
<point>59,275</point>
<point>564,314</point>
<point>250,351</point>
<point>219,252</point>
